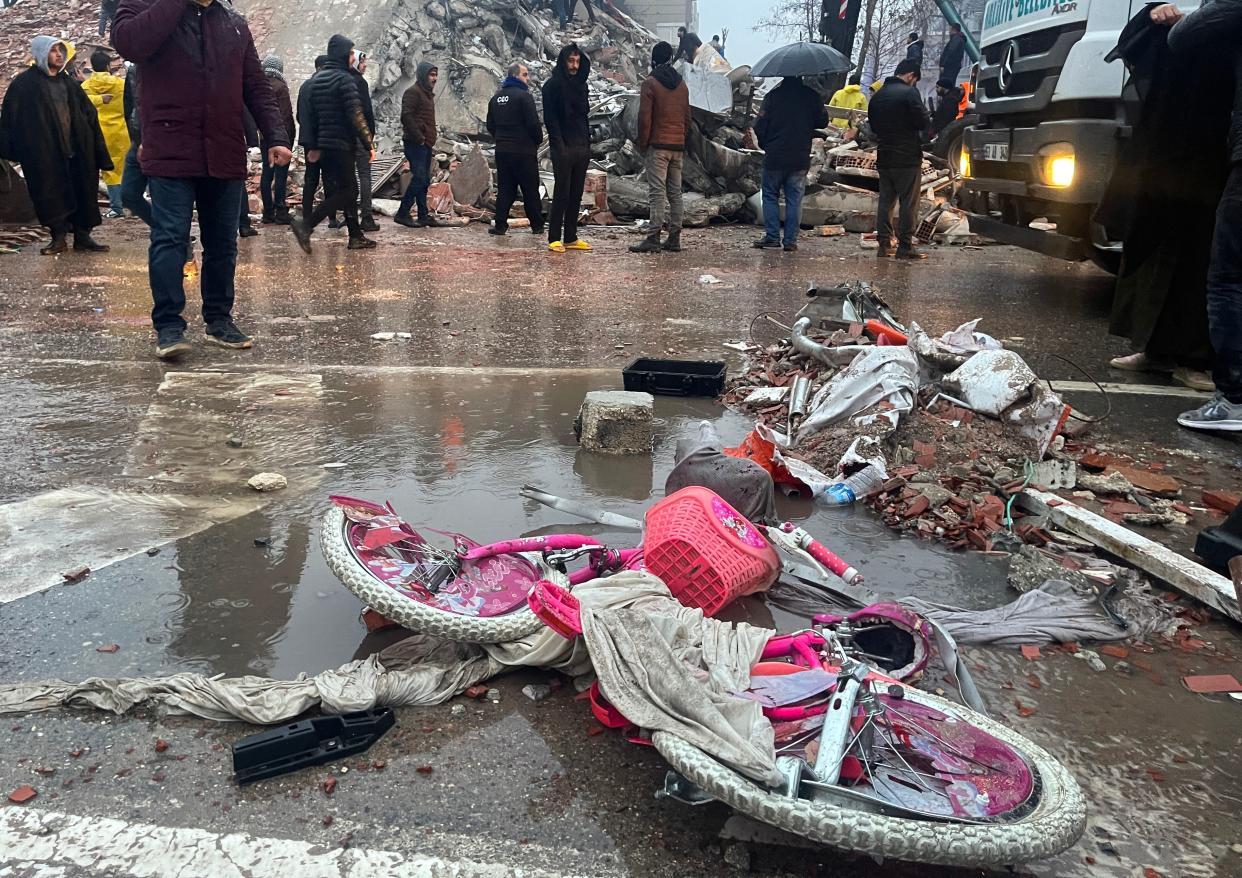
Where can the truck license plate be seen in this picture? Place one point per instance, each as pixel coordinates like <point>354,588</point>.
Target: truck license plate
<point>996,152</point>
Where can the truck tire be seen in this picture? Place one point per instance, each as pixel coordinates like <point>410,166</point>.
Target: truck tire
<point>948,143</point>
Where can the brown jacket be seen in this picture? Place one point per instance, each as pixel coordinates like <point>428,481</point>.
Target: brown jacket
<point>663,111</point>
<point>418,111</point>
<point>280,90</point>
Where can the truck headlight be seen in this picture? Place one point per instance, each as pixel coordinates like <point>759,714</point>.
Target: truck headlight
<point>1059,165</point>
<point>963,162</point>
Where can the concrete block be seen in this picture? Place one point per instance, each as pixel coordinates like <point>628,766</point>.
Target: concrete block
<point>616,422</point>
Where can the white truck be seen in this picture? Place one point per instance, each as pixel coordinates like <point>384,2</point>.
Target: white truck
<point>1051,115</point>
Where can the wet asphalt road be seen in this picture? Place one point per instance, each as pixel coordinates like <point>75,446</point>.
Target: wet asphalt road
<point>448,425</point>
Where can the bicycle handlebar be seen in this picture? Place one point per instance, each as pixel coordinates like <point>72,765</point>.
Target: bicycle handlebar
<point>532,544</point>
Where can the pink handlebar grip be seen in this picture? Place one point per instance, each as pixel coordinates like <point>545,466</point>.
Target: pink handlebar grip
<point>833,562</point>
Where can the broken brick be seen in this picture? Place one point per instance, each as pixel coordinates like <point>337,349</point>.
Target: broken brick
<point>160,745</point>
<point>23,794</point>
<point>328,786</point>
<point>1114,650</point>
<point>1093,460</point>
<point>424,769</point>
<point>111,647</point>
<point>1030,652</point>
<point>1148,481</point>
<point>1223,501</point>
<point>477,691</point>
<point>1023,710</point>
<point>924,454</point>
<point>917,506</point>
<point>76,575</point>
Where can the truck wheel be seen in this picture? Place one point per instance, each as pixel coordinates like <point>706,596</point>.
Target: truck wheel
<point>948,143</point>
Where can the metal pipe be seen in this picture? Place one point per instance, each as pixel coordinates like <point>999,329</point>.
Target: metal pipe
<point>837,357</point>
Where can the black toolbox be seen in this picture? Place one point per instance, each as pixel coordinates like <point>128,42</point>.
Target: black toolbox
<point>675,377</point>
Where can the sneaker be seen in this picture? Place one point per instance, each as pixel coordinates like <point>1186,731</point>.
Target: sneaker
<point>334,223</point>
<point>404,219</point>
<point>578,245</point>
<point>910,253</point>
<point>301,232</point>
<point>790,248</point>
<point>226,334</point>
<point>766,244</point>
<point>170,344</point>
<point>362,243</point>
<point>497,230</point>
<point>114,214</point>
<point>556,247</point>
<point>370,225</point>
<point>1218,414</point>
<point>1141,362</point>
<point>1195,379</point>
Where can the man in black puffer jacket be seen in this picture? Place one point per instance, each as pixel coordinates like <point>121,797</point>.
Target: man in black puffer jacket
<point>332,130</point>
<point>1216,26</point>
<point>566,106</point>
<point>513,120</point>
<point>899,121</point>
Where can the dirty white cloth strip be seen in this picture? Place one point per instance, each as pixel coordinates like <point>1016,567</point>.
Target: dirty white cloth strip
<point>665,666</point>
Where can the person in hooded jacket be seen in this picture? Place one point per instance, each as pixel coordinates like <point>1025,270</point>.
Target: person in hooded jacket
<point>418,136</point>
<point>363,156</point>
<point>107,93</point>
<point>49,126</point>
<point>849,98</point>
<point>513,121</point>
<point>274,182</point>
<point>566,107</point>
<point>199,72</point>
<point>791,114</point>
<point>311,178</point>
<point>663,125</point>
<point>332,130</point>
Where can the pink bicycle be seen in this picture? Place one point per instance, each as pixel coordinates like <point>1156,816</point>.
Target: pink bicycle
<point>443,583</point>
<point>870,763</point>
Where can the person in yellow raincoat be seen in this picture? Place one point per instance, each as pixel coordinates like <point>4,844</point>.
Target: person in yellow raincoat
<point>107,93</point>
<point>849,98</point>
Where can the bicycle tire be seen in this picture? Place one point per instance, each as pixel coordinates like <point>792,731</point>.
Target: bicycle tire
<point>1054,824</point>
<point>409,613</point>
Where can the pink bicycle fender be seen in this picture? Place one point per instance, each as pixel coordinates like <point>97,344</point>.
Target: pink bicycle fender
<point>532,544</point>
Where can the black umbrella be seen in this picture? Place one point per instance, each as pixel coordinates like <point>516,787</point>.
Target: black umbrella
<point>801,59</point>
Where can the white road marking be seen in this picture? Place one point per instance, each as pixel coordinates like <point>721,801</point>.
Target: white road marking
<point>49,841</point>
<point>1130,389</point>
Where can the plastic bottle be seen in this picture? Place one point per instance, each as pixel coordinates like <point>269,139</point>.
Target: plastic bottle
<point>861,484</point>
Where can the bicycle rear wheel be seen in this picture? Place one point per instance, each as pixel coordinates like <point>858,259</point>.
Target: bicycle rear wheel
<point>889,808</point>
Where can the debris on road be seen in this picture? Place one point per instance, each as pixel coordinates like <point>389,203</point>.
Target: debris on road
<point>616,422</point>
<point>265,482</point>
<point>23,794</point>
<point>77,574</point>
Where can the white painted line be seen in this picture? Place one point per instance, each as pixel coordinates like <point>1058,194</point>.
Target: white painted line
<point>1130,389</point>
<point>346,368</point>
<point>48,841</point>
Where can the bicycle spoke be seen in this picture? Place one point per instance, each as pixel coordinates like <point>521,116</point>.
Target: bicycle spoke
<point>950,747</point>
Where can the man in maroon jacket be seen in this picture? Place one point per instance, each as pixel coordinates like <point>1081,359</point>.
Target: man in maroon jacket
<point>199,68</point>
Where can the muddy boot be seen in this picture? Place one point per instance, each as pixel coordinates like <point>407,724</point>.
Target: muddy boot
<point>673,244</point>
<point>910,253</point>
<point>404,219</point>
<point>56,245</point>
<point>302,234</point>
<point>369,224</point>
<point>362,243</point>
<point>268,218</point>
<point>247,231</point>
<point>281,216</point>
<point>83,241</point>
<point>649,244</point>
<point>430,222</point>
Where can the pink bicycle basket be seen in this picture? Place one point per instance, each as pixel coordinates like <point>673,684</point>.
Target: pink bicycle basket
<point>705,551</point>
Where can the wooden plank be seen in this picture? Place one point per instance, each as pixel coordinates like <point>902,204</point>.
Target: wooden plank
<point>1183,574</point>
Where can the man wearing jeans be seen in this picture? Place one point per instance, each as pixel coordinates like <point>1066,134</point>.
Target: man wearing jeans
<point>199,67</point>
<point>362,155</point>
<point>274,181</point>
<point>1216,26</point>
<point>133,180</point>
<point>786,125</point>
<point>663,123</point>
<point>332,130</point>
<point>418,135</point>
<point>900,122</point>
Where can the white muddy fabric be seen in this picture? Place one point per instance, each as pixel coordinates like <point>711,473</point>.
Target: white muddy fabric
<point>888,374</point>
<point>665,666</point>
<point>1052,613</point>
